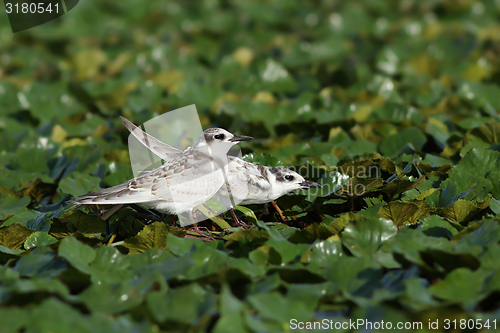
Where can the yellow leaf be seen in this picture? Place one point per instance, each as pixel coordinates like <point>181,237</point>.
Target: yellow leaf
<point>423,64</point>
<point>264,97</point>
<point>338,151</point>
<point>436,122</point>
<point>477,71</point>
<point>491,32</point>
<point>488,132</point>
<point>375,100</point>
<point>116,65</point>
<point>432,30</point>
<point>282,141</point>
<point>88,63</point>
<point>170,79</point>
<point>100,131</point>
<point>366,132</point>
<point>452,149</point>
<point>446,80</point>
<point>333,238</point>
<point>423,210</point>
<point>59,134</point>
<point>440,107</point>
<point>13,236</point>
<point>338,92</point>
<point>462,209</point>
<point>204,120</point>
<point>362,113</point>
<point>225,97</point>
<point>243,56</point>
<point>398,212</point>
<point>334,131</point>
<point>426,193</point>
<point>118,97</point>
<point>117,155</point>
<point>74,142</point>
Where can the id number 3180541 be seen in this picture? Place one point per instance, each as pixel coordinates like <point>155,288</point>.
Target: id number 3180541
<point>31,8</point>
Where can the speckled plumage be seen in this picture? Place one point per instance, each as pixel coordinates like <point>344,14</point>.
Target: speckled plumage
<point>257,184</point>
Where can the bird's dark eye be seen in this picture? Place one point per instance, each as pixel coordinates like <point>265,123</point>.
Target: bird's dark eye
<point>219,136</point>
<point>289,177</point>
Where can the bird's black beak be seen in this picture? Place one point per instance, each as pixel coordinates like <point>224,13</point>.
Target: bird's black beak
<point>238,138</point>
<point>310,184</point>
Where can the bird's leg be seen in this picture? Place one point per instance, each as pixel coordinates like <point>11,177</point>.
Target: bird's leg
<point>112,238</point>
<point>107,214</point>
<point>283,217</point>
<point>213,213</point>
<point>146,213</point>
<point>266,209</point>
<point>203,234</point>
<point>318,211</point>
<point>238,222</point>
<point>174,219</point>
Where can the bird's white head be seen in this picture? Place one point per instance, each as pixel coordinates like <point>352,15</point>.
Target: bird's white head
<point>285,180</point>
<point>214,137</point>
<point>216,143</point>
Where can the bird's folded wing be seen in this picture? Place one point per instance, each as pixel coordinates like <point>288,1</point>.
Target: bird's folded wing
<point>179,181</point>
<point>244,180</point>
<point>188,179</point>
<point>259,182</point>
<point>119,194</point>
<point>249,173</point>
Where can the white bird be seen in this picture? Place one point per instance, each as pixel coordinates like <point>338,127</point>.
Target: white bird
<point>247,183</point>
<point>258,184</point>
<point>187,179</point>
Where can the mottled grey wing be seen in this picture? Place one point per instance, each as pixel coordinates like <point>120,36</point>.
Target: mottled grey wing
<point>245,181</point>
<point>257,176</point>
<point>160,149</point>
<point>192,178</point>
<point>125,193</point>
<point>189,179</point>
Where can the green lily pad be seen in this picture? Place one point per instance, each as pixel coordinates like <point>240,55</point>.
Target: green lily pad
<point>110,297</point>
<point>478,170</point>
<point>364,237</point>
<point>393,144</point>
<point>14,211</point>
<point>287,250</point>
<point>183,305</point>
<point>459,279</point>
<point>438,227</point>
<point>275,307</point>
<point>39,239</point>
<point>77,221</point>
<point>231,319</point>
<point>261,159</point>
<point>77,254</point>
<point>77,183</point>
